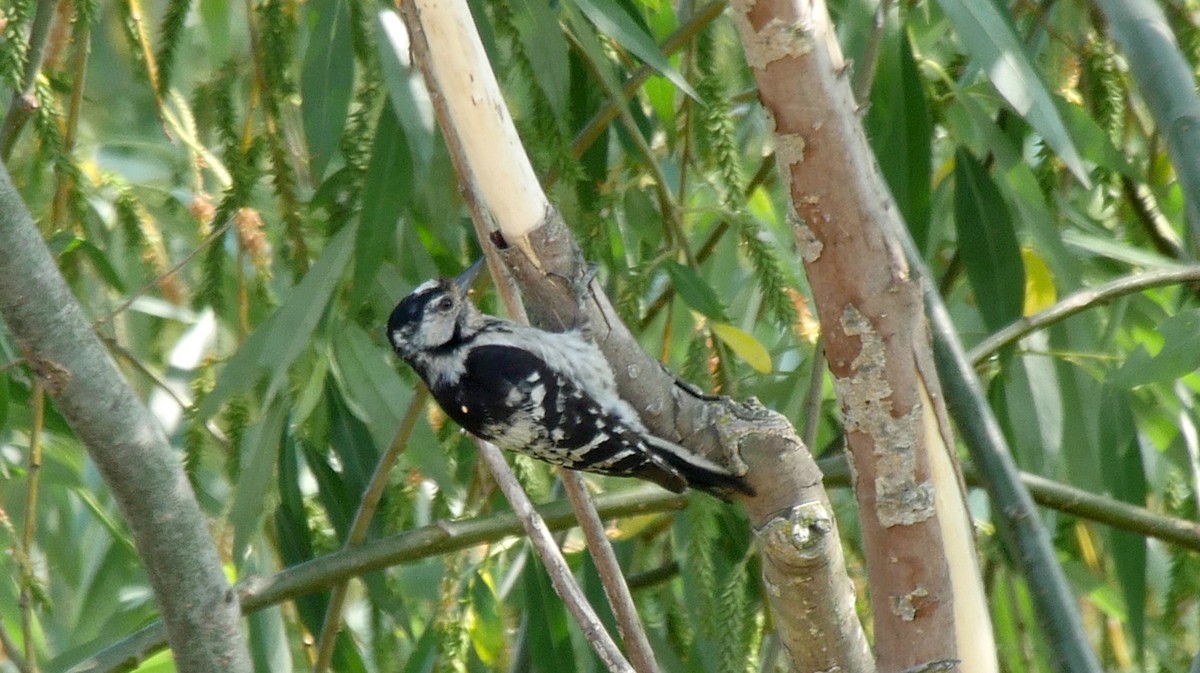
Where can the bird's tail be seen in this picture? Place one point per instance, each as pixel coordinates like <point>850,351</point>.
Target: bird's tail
<point>700,473</point>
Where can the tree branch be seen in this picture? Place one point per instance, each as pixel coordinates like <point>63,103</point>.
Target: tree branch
<point>556,566</point>
<point>611,577</point>
<point>126,443</point>
<point>1077,302</point>
<point>803,563</point>
<point>927,597</point>
<point>1020,529</point>
<point>451,536</point>
<point>444,537</point>
<point>466,121</point>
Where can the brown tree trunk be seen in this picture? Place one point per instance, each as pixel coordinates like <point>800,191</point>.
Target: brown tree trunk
<point>926,595</point>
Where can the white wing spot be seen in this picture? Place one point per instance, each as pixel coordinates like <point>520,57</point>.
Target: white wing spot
<point>465,410</point>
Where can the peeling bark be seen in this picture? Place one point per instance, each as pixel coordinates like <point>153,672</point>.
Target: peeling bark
<point>926,593</point>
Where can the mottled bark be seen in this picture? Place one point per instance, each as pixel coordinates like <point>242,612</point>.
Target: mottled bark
<point>926,593</point>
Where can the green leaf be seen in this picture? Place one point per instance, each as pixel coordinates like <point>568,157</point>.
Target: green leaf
<point>406,89</point>
<point>1125,476</point>
<point>1179,355</point>
<point>326,81</point>
<point>260,446</point>
<point>424,654</point>
<point>1033,407</point>
<point>280,339</point>
<point>267,635</point>
<point>291,527</point>
<point>372,389</point>
<point>102,264</point>
<point>546,626</point>
<point>695,291</point>
<point>744,345</point>
<point>543,41</point>
<point>900,129</point>
<point>991,40</point>
<point>356,453</point>
<point>3,401</point>
<point>389,187</point>
<point>612,20</point>
<point>487,628</point>
<point>987,243</point>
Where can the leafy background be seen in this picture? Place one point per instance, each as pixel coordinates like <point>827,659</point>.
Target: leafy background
<point>239,193</point>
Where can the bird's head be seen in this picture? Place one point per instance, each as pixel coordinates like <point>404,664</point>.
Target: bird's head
<point>437,315</point>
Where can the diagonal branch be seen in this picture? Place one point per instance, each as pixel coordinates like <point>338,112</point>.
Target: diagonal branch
<point>1078,302</point>
<point>126,443</point>
<point>455,26</point>
<point>319,574</point>
<point>803,563</point>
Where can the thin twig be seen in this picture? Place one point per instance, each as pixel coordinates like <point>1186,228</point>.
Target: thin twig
<point>556,566</point>
<point>597,124</point>
<point>82,36</point>
<point>865,76</point>
<point>812,400</point>
<point>367,507</point>
<point>611,577</point>
<point>1080,301</point>
<point>142,369</point>
<point>23,101</point>
<point>25,602</point>
<point>9,649</point>
<point>216,234</point>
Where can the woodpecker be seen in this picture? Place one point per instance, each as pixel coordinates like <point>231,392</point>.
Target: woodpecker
<point>550,395</point>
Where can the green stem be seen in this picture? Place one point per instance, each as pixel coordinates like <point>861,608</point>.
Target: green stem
<point>1078,302</point>
<point>367,507</point>
<point>433,540</point>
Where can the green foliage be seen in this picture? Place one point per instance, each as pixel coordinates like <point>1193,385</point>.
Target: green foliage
<point>280,160</point>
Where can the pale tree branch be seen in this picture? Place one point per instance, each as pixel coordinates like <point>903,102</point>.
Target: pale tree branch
<point>126,443</point>
<point>472,125</point>
<point>803,565</point>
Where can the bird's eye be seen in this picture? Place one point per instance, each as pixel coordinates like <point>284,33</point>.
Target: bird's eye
<point>445,304</point>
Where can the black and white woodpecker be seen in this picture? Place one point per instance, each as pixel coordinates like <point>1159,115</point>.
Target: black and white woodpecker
<point>551,395</point>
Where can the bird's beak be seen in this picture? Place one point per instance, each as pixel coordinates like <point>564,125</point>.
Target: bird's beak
<point>467,278</point>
